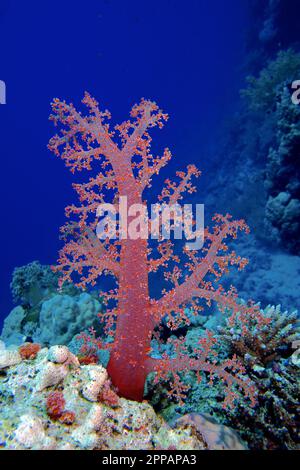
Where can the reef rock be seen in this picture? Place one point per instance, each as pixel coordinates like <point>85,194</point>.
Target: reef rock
<point>102,424</point>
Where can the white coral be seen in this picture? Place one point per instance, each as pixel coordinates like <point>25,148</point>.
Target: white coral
<point>8,357</point>
<point>31,434</point>
<point>50,374</point>
<point>86,434</point>
<point>61,355</point>
<point>97,376</point>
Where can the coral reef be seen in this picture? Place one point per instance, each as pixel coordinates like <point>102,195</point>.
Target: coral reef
<point>271,92</point>
<point>59,417</point>
<point>262,177</point>
<point>224,378</point>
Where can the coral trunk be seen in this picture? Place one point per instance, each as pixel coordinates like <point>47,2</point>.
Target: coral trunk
<point>127,365</point>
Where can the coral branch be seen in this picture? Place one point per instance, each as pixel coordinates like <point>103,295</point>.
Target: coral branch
<point>230,371</point>
<point>199,268</point>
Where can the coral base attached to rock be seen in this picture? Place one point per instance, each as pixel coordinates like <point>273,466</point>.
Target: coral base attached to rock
<point>50,402</point>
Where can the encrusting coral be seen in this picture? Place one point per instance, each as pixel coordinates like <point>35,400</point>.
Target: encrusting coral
<point>55,406</point>
<point>126,170</point>
<point>29,350</point>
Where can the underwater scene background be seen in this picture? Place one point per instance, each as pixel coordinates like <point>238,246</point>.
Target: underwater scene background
<point>224,72</point>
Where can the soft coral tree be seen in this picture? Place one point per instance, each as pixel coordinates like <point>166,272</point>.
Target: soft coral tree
<point>125,167</point>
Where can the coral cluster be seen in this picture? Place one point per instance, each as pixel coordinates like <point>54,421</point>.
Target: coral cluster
<point>261,339</point>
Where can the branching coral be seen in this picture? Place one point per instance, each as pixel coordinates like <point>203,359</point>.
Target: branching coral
<point>261,339</point>
<point>264,345</point>
<point>125,167</point>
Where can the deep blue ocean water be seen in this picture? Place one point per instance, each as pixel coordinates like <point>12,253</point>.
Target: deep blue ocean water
<point>186,56</point>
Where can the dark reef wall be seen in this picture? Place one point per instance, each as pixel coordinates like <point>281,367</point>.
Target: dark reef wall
<point>259,175</point>
<point>274,26</point>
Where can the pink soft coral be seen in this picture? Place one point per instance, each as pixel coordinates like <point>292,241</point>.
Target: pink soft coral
<point>125,167</point>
